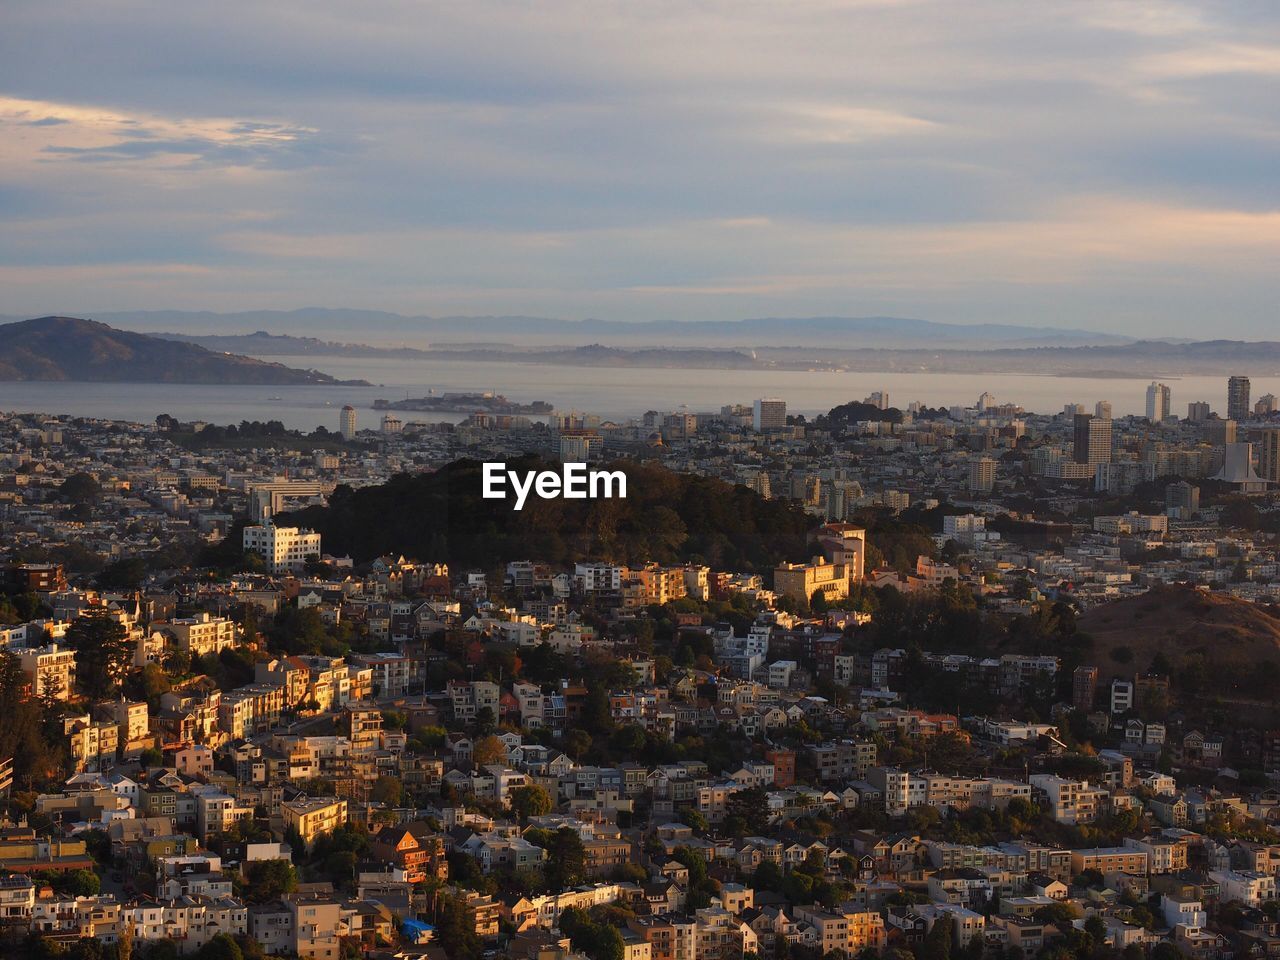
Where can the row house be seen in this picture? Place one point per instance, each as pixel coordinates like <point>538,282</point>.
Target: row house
<point>189,922</point>
<point>250,709</point>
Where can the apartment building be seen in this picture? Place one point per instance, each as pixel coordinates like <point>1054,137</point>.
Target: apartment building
<point>312,816</point>
<point>284,549</point>
<point>50,669</point>
<point>202,635</point>
<point>1108,860</point>
<point>1069,801</point>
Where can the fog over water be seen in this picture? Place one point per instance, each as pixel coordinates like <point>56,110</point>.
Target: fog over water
<point>610,392</point>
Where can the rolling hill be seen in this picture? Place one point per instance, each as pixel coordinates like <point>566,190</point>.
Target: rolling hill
<point>1213,645</point>
<point>68,348</point>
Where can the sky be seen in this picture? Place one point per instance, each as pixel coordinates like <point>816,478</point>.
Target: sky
<point>1106,166</point>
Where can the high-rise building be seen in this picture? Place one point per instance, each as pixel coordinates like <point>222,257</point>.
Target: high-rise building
<point>1266,405</point>
<point>769,413</point>
<point>391,423</point>
<point>982,475</point>
<point>1269,454</point>
<point>1197,411</point>
<point>347,422</point>
<point>879,399</point>
<point>985,402</point>
<point>1102,410</point>
<point>1158,402</point>
<point>580,446</point>
<point>1238,398</point>
<point>1093,439</point>
<point>679,426</point>
<point>1073,409</point>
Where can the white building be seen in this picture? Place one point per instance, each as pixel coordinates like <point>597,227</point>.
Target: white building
<point>283,548</point>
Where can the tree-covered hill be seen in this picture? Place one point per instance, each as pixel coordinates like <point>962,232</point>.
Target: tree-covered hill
<point>668,517</point>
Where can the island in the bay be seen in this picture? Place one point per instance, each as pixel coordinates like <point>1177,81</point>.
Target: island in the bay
<point>485,402</point>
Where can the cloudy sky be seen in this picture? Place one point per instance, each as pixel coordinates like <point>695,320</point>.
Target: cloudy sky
<point>1099,165</point>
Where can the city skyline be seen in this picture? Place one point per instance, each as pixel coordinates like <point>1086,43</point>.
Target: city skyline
<point>1096,166</point>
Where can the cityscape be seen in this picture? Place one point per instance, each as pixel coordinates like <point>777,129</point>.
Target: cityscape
<point>659,480</point>
<point>985,680</point>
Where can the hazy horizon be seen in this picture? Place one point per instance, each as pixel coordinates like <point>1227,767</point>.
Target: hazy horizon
<point>1091,166</point>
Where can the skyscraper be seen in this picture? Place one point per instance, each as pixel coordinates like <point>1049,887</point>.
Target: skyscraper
<point>1197,411</point>
<point>769,413</point>
<point>1159,398</point>
<point>1093,439</point>
<point>1102,410</point>
<point>347,422</point>
<point>1238,398</point>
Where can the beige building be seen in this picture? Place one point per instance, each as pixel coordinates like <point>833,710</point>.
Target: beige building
<point>202,635</point>
<point>312,816</point>
<point>51,670</point>
<point>801,581</point>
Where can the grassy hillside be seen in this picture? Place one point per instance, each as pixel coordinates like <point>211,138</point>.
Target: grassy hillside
<point>1212,645</point>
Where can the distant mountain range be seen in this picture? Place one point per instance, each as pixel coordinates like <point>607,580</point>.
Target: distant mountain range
<point>61,348</point>
<point>263,344</point>
<point>393,329</point>
<point>1146,358</point>
<point>68,348</point>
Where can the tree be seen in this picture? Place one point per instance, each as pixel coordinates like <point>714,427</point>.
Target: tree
<point>456,927</point>
<point>485,720</point>
<point>103,652</point>
<point>221,947</point>
<point>1096,929</point>
<point>388,790</point>
<point>267,880</point>
<point>81,883</point>
<point>576,743</point>
<point>488,750</point>
<point>937,942</point>
<point>598,940</point>
<point>752,806</point>
<point>162,950</point>
<point>531,800</point>
<point>125,574</point>
<point>124,942</point>
<point>80,488</point>
<point>22,730</point>
<point>151,757</point>
<point>566,864</point>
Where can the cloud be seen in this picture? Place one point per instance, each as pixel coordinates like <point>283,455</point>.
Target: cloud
<point>91,134</point>
<point>701,159</point>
